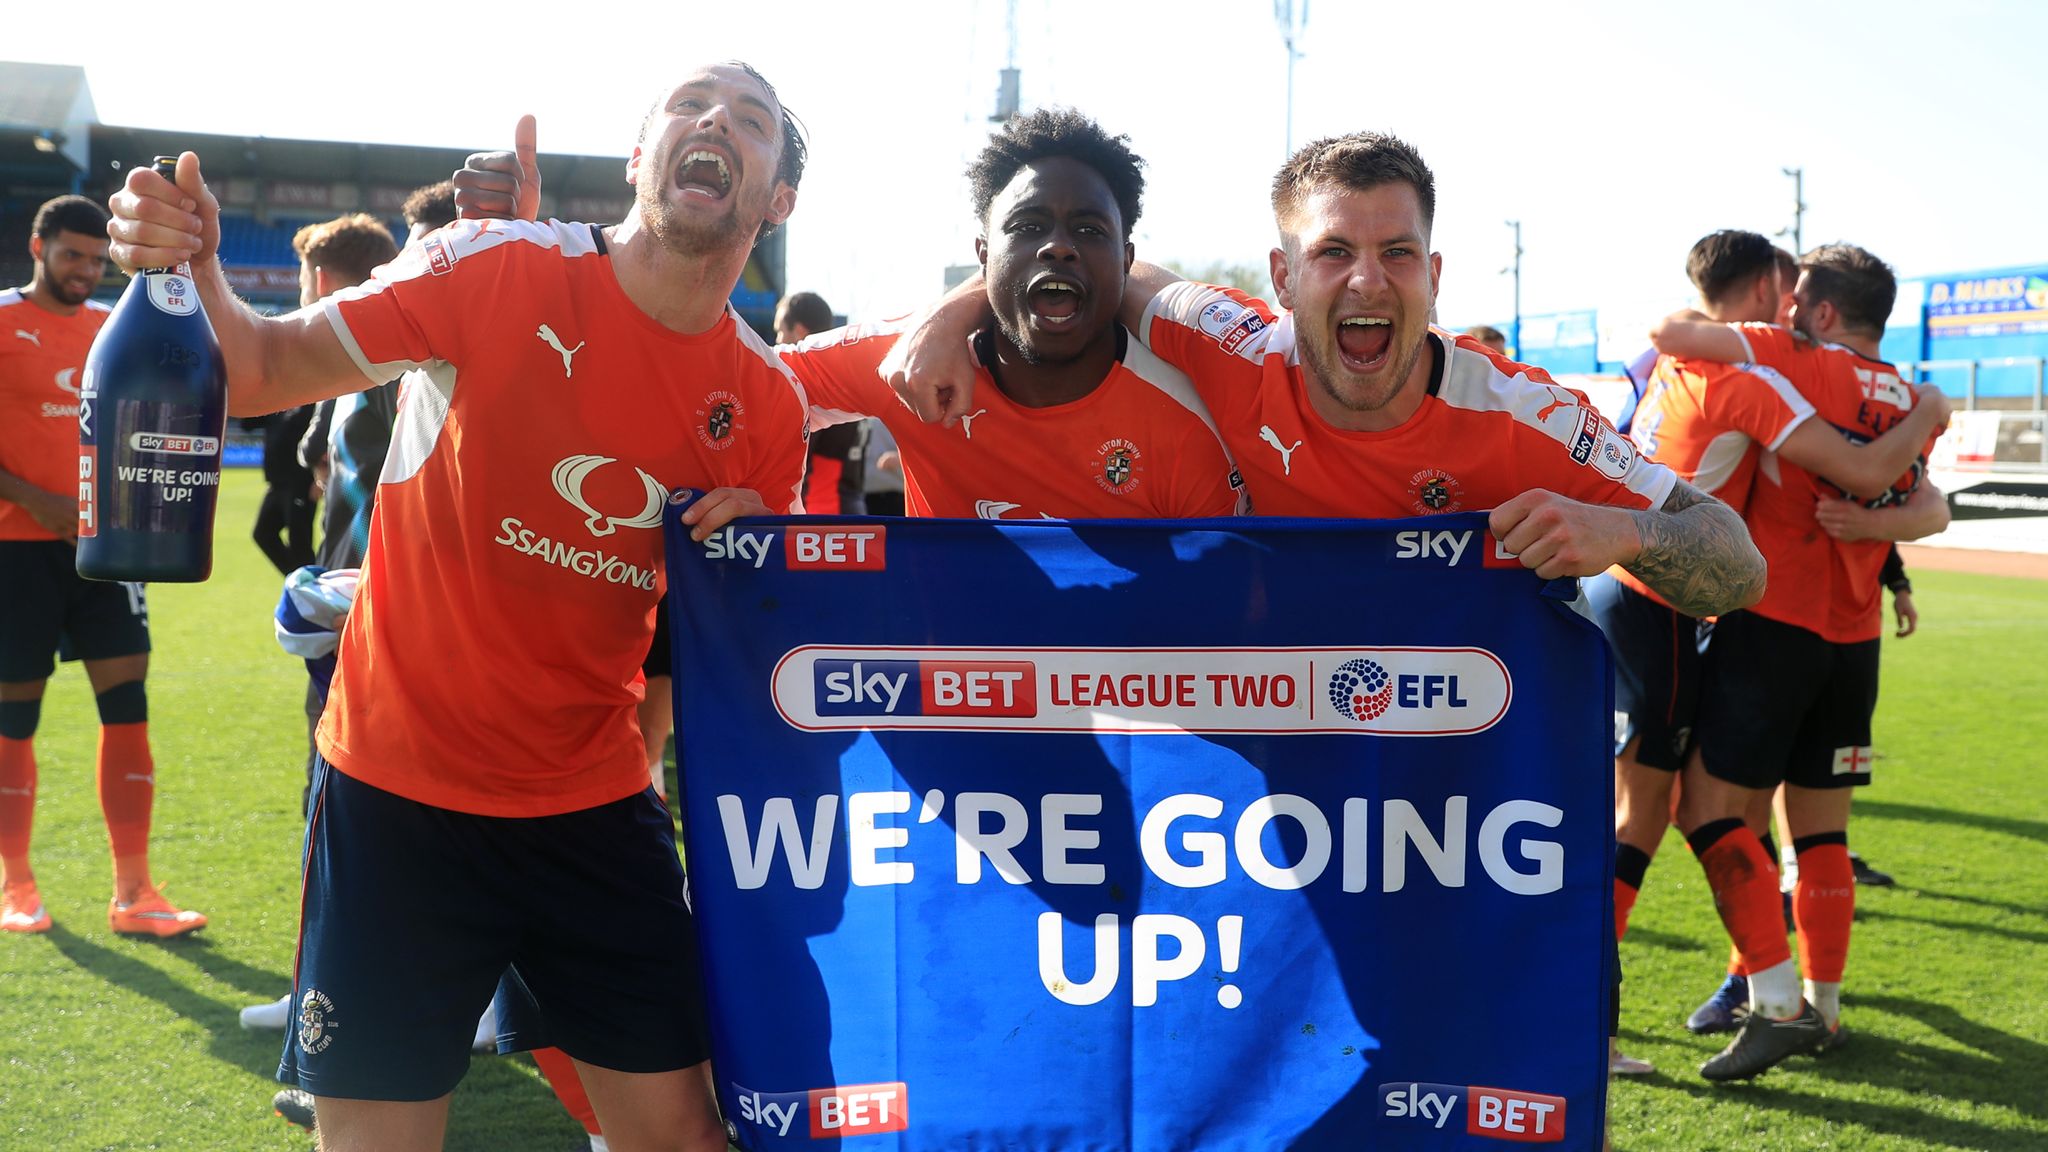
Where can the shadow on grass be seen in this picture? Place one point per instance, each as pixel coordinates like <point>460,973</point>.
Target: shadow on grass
<point>255,1052</point>
<point>2033,830</point>
<point>1978,901</point>
<point>2020,934</point>
<point>1997,1071</point>
<point>503,1103</point>
<point>1664,941</point>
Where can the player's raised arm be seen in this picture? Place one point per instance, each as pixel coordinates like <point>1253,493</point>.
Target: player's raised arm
<point>272,363</point>
<point>1689,335</point>
<point>1144,284</point>
<point>1693,551</point>
<point>1867,470</point>
<point>932,365</point>
<point>502,185</point>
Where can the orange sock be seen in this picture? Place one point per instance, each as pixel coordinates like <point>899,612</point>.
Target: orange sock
<point>1745,883</point>
<point>1624,902</point>
<point>1631,864</point>
<point>561,1076</point>
<point>127,787</point>
<point>17,807</point>
<point>1824,905</point>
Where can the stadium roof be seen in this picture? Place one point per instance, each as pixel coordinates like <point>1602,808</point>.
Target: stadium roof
<point>46,113</point>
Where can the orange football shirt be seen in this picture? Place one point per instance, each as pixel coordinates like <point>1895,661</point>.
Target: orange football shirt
<point>1489,430</point>
<point>1710,423</point>
<point>492,661</point>
<point>1818,583</point>
<point>1139,446</point>
<point>42,356</point>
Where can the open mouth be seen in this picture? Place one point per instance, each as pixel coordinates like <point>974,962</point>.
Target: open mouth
<point>1364,340</point>
<point>1054,301</point>
<point>704,173</point>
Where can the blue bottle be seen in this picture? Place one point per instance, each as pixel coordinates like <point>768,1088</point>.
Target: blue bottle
<point>152,409</point>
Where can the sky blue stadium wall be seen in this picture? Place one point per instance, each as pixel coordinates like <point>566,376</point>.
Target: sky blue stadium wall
<point>1986,315</point>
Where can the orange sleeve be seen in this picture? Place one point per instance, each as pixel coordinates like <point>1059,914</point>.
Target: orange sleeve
<point>1774,347</point>
<point>1217,336</point>
<point>1590,462</point>
<point>412,312</point>
<point>1759,402</point>
<point>839,370</point>
<point>777,470</point>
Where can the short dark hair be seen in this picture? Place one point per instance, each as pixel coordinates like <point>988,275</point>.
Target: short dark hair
<point>1859,285</point>
<point>432,205</point>
<point>1788,268</point>
<point>1050,132</point>
<point>806,308</point>
<point>69,214</point>
<point>350,247</point>
<point>1358,162</point>
<point>1727,261</point>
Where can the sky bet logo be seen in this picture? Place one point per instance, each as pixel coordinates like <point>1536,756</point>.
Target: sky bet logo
<point>1448,548</point>
<point>1495,1113</point>
<point>859,548</point>
<point>926,687</point>
<point>844,1110</point>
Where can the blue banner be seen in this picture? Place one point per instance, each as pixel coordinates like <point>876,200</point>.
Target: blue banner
<point>1250,834</point>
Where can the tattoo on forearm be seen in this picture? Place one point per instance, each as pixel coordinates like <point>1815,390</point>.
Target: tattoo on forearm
<point>1697,554</point>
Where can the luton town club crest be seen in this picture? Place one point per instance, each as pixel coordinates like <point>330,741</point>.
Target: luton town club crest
<point>718,420</point>
<point>1117,465</point>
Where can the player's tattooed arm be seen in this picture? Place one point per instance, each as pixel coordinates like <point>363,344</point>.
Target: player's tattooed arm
<point>1697,554</point>
<point>1693,551</point>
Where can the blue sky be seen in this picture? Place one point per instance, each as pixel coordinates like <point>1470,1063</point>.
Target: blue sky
<point>1618,133</point>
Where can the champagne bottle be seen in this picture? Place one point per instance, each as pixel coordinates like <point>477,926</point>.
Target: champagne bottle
<point>152,408</point>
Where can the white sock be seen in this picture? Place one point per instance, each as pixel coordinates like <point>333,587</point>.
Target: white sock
<point>1774,992</point>
<point>597,1144</point>
<point>1826,998</point>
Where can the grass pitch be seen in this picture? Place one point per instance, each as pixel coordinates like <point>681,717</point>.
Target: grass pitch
<point>111,1043</point>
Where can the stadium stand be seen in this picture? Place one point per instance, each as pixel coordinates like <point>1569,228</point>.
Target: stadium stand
<point>51,142</point>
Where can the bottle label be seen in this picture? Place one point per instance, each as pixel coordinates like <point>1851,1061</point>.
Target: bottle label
<point>159,469</point>
<point>173,293</point>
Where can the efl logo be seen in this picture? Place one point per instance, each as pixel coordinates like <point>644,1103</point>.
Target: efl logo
<point>925,687</point>
<point>859,1110</point>
<point>1495,1113</point>
<point>1218,316</point>
<point>843,549</point>
<point>174,445</point>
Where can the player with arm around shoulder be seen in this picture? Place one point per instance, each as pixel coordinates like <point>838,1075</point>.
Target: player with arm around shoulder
<point>484,799</point>
<point>1349,404</point>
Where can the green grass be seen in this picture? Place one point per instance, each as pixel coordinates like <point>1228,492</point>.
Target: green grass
<point>113,1043</point>
<point>1945,991</point>
<point>108,1043</point>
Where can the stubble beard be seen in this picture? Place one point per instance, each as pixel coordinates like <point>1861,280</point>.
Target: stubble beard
<point>1367,397</point>
<point>668,227</point>
<point>55,287</point>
